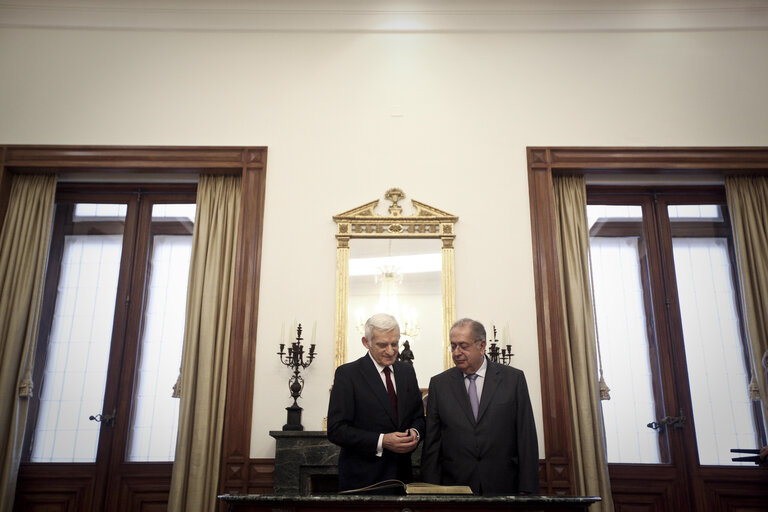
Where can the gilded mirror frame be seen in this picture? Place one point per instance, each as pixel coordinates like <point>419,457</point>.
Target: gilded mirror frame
<point>363,222</point>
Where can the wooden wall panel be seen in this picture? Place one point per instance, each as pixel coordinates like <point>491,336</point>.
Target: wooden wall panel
<point>72,490</point>
<point>142,486</point>
<point>653,494</point>
<point>262,476</point>
<point>743,489</point>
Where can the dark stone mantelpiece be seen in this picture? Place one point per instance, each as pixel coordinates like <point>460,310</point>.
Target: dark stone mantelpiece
<point>305,462</point>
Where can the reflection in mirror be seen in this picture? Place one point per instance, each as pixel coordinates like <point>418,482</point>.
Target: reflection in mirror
<point>401,264</point>
<point>401,277</point>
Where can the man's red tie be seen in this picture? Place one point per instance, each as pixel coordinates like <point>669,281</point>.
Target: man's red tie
<point>391,391</point>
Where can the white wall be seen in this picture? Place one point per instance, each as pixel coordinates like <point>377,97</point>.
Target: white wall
<point>446,116</point>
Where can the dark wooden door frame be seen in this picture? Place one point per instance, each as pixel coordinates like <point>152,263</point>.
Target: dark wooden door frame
<point>89,162</point>
<point>543,164</point>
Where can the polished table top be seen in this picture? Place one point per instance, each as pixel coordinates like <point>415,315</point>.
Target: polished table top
<point>414,499</point>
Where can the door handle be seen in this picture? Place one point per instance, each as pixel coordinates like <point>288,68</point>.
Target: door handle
<point>675,421</point>
<point>106,419</point>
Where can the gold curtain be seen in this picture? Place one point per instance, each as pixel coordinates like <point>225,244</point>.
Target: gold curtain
<point>24,246</point>
<point>206,346</point>
<point>589,461</point>
<point>748,206</point>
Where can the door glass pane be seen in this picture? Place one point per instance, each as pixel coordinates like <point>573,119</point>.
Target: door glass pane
<point>714,349</point>
<point>74,377</point>
<point>85,212</point>
<point>154,420</point>
<point>615,252</point>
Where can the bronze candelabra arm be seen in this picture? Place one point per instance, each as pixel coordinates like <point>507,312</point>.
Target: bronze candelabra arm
<point>496,354</point>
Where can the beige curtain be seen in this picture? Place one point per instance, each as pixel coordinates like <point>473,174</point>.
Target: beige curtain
<point>24,243</point>
<point>590,466</point>
<point>748,206</point>
<point>206,346</point>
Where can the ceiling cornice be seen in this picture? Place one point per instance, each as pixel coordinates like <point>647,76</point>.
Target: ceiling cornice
<point>379,16</point>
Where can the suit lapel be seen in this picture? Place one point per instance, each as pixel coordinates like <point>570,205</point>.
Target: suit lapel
<point>371,377</point>
<point>459,391</point>
<point>492,380</point>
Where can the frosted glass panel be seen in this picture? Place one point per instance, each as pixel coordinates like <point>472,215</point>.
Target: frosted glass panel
<point>612,211</point>
<point>168,211</point>
<point>621,324</point>
<point>695,211</point>
<point>89,211</point>
<point>713,349</point>
<point>78,350</point>
<point>154,422</point>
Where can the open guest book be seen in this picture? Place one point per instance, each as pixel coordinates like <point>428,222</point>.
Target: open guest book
<point>412,488</point>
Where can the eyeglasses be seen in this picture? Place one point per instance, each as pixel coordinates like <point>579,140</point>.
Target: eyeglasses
<point>462,347</point>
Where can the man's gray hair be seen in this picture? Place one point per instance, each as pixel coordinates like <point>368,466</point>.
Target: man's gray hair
<point>476,329</point>
<point>382,322</point>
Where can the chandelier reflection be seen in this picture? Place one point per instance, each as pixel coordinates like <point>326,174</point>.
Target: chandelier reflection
<point>389,278</point>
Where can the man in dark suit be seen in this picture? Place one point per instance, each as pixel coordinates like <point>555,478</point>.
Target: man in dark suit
<point>493,448</point>
<point>375,413</point>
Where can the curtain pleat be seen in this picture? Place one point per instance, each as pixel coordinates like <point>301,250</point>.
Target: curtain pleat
<point>589,460</point>
<point>747,198</point>
<point>206,346</point>
<point>24,244</point>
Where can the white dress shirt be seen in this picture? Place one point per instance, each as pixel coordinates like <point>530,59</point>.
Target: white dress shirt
<point>380,369</point>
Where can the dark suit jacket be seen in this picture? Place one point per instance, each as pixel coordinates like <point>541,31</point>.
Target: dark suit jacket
<point>498,453</point>
<point>360,410</point>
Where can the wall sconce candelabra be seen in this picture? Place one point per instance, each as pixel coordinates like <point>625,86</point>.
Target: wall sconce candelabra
<point>499,355</point>
<point>296,362</point>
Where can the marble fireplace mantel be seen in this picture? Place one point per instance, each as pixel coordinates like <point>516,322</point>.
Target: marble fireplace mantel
<point>305,462</point>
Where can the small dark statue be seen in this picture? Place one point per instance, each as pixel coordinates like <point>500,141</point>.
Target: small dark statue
<point>406,355</point>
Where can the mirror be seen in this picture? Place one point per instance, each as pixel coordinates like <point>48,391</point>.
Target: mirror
<point>402,265</point>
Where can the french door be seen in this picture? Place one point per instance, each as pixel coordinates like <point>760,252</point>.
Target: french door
<point>102,425</point>
<point>672,348</point>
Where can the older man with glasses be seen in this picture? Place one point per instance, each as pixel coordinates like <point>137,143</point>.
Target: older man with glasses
<point>480,426</point>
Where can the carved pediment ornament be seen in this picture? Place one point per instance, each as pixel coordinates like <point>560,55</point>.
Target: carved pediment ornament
<point>426,222</point>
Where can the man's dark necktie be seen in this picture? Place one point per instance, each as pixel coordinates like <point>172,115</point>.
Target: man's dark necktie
<point>391,391</point>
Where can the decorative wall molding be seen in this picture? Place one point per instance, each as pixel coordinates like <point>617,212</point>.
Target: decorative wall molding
<point>381,16</point>
<point>124,160</point>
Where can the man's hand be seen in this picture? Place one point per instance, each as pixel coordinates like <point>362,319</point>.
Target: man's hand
<point>400,442</point>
